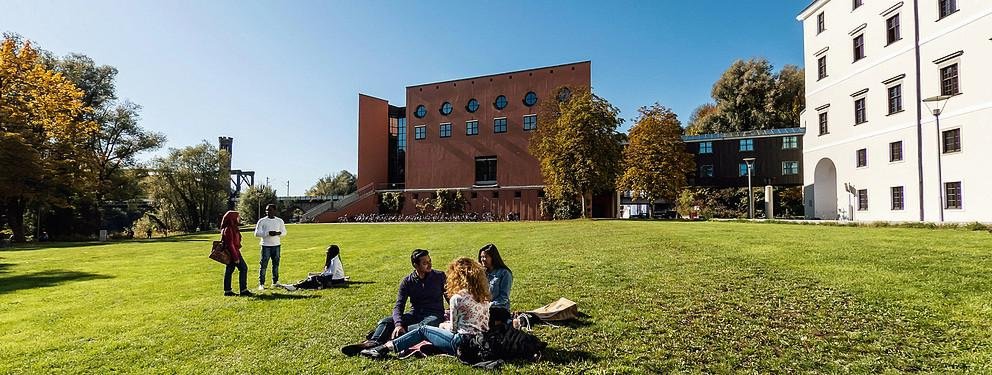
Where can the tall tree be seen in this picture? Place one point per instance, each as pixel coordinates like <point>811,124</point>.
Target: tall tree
<point>42,133</point>
<point>343,183</point>
<point>577,145</point>
<point>703,120</point>
<point>252,202</point>
<point>741,95</point>
<point>655,160</point>
<point>788,98</point>
<point>189,186</point>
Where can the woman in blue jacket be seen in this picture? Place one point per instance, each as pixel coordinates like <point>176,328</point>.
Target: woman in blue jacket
<point>500,276</point>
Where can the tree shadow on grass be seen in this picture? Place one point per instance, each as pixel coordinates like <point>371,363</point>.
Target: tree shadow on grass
<point>4,267</point>
<point>45,279</point>
<point>29,246</point>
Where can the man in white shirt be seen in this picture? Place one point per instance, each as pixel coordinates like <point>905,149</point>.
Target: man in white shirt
<point>270,228</point>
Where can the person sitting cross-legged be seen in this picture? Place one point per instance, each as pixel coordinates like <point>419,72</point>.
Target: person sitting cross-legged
<point>333,273</point>
<point>469,289</point>
<point>424,287</point>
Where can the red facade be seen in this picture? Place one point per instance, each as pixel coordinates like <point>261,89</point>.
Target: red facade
<point>448,159</point>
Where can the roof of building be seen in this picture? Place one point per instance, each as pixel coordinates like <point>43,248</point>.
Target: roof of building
<point>499,74</point>
<point>745,134</point>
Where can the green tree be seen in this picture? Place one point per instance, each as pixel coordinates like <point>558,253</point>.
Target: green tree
<point>749,96</point>
<point>189,188</point>
<point>343,183</point>
<point>577,145</point>
<point>655,160</point>
<point>41,133</point>
<point>702,120</point>
<point>252,202</point>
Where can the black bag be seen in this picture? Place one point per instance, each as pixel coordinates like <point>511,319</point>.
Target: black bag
<point>501,342</point>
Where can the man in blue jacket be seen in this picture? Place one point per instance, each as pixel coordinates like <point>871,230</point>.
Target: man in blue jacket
<point>424,288</point>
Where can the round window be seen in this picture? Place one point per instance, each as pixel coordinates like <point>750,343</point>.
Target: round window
<point>446,108</point>
<point>421,111</point>
<point>564,94</point>
<point>500,102</point>
<point>530,99</point>
<point>473,105</point>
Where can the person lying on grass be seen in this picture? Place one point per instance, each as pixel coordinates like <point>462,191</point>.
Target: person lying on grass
<point>333,273</point>
<point>424,287</point>
<point>469,290</point>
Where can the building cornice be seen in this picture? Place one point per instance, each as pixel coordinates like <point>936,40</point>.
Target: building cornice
<point>810,9</point>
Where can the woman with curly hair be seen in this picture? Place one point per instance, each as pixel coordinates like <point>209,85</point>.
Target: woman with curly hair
<point>469,290</point>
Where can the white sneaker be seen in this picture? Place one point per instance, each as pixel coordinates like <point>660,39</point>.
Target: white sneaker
<point>261,287</point>
<point>289,288</point>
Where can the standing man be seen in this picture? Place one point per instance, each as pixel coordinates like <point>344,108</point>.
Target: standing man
<point>424,288</point>
<point>270,228</point>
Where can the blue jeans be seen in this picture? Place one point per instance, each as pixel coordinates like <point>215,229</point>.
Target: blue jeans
<point>442,339</point>
<point>242,275</point>
<point>384,329</point>
<point>273,253</point>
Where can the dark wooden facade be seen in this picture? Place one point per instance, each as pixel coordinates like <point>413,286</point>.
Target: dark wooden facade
<point>771,149</point>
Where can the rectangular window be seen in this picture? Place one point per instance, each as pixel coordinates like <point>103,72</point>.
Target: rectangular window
<point>859,47</point>
<point>895,151</point>
<point>949,80</point>
<point>951,140</point>
<point>860,117</point>
<point>705,147</point>
<point>862,156</point>
<point>420,132</point>
<point>863,200</point>
<point>821,67</point>
<point>858,3</point>
<point>747,145</point>
<point>947,7</point>
<point>820,23</point>
<point>897,198</point>
<point>952,194</point>
<point>485,170</point>
<point>742,169</point>
<point>530,122</point>
<point>823,124</point>
<point>446,130</point>
<point>892,29</point>
<point>517,194</point>
<point>895,99</point>
<point>790,168</point>
<point>499,125</point>
<point>706,170</point>
<point>789,143</point>
<point>472,127</point>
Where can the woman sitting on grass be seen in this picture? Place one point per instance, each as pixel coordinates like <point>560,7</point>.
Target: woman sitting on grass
<point>332,274</point>
<point>469,303</point>
<point>499,275</point>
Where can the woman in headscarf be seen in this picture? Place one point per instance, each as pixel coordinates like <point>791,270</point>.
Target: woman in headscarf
<point>231,237</point>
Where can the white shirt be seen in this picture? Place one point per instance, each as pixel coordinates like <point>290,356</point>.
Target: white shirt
<point>335,270</point>
<point>265,225</point>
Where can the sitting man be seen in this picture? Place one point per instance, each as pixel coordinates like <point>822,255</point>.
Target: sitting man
<point>333,273</point>
<point>424,287</point>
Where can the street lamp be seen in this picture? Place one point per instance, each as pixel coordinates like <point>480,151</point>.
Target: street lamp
<point>936,105</point>
<point>750,192</point>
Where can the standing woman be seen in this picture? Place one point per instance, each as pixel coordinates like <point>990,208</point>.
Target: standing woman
<point>499,275</point>
<point>467,286</point>
<point>231,236</point>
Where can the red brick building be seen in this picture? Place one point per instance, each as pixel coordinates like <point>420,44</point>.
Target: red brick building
<point>468,134</point>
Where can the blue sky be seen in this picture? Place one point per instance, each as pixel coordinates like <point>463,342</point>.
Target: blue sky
<point>283,77</point>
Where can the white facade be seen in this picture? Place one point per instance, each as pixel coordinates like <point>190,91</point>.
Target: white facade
<point>959,42</point>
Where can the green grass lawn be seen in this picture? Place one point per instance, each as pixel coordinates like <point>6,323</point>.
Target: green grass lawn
<point>657,297</point>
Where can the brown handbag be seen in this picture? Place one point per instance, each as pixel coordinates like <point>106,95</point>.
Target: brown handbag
<point>219,253</point>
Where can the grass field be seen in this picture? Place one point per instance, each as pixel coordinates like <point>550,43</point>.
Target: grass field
<point>657,297</point>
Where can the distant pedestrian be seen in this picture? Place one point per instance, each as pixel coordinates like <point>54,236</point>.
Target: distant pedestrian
<point>270,228</point>
<point>148,232</point>
<point>231,237</point>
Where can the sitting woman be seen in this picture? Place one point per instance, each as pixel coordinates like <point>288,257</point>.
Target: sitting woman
<point>469,303</point>
<point>499,275</point>
<point>332,274</point>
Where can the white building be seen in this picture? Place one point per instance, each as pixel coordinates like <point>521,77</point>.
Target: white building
<point>871,145</point>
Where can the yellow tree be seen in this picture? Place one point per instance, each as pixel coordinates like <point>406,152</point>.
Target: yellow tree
<point>655,160</point>
<point>41,135</point>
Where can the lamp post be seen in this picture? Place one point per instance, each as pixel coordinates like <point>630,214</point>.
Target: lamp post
<point>750,193</point>
<point>936,106</point>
